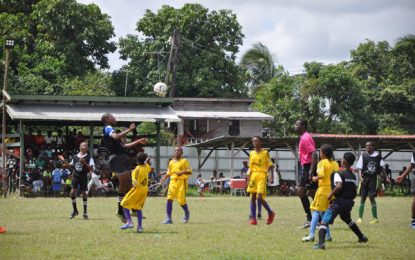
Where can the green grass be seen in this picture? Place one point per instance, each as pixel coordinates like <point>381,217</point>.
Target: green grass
<point>39,228</point>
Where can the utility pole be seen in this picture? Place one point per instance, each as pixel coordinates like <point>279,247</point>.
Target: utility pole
<point>8,46</point>
<point>170,79</point>
<point>126,82</point>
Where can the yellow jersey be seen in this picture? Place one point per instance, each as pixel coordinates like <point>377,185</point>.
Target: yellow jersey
<point>176,166</point>
<point>259,162</point>
<point>140,175</point>
<point>325,169</point>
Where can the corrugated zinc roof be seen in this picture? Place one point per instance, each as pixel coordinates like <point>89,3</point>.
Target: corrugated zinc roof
<point>246,115</point>
<point>67,112</point>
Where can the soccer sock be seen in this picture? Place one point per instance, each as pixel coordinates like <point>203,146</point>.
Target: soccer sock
<point>74,204</point>
<point>266,206</point>
<point>374,210</point>
<point>353,226</point>
<point>169,208</point>
<point>140,218</point>
<point>306,206</point>
<point>322,234</point>
<point>120,208</point>
<point>259,205</point>
<point>361,209</point>
<point>185,208</point>
<point>313,223</point>
<point>127,215</point>
<point>85,204</point>
<point>253,210</point>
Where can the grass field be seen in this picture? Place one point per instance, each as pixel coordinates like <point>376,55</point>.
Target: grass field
<point>39,228</point>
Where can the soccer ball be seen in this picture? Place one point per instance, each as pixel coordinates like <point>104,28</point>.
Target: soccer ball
<point>160,89</point>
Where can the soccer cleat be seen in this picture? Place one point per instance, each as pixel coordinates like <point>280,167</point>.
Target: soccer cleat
<point>374,221</point>
<point>85,216</point>
<point>74,214</point>
<point>139,230</point>
<point>413,224</point>
<point>249,217</point>
<point>253,222</point>
<point>359,221</point>
<point>186,218</point>
<point>259,216</point>
<point>3,230</point>
<point>363,239</point>
<point>167,221</point>
<point>127,225</point>
<point>121,217</point>
<point>305,226</point>
<point>318,246</point>
<point>308,239</point>
<point>271,218</point>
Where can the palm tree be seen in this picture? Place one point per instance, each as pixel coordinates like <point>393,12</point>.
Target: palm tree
<point>259,63</point>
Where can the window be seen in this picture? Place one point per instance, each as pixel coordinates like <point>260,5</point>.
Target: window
<point>234,128</point>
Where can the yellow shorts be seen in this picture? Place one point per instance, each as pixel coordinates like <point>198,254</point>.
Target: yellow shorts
<point>320,202</point>
<point>177,190</point>
<point>258,184</point>
<point>135,198</point>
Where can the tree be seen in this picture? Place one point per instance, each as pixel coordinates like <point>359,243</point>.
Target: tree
<point>206,57</point>
<point>259,63</point>
<point>55,41</point>
<point>92,84</point>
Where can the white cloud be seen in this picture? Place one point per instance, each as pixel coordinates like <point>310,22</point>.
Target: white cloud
<point>295,31</point>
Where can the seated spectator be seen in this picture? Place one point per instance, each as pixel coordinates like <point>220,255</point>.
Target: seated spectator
<point>79,138</point>
<point>293,190</point>
<point>40,163</point>
<point>49,152</point>
<point>284,189</point>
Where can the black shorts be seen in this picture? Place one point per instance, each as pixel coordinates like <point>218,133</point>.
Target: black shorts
<point>303,177</point>
<point>342,207</point>
<point>81,180</point>
<point>119,163</point>
<point>368,186</point>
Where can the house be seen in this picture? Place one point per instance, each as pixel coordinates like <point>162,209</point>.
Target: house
<point>207,118</point>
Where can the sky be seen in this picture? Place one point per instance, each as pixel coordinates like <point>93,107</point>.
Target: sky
<point>295,31</point>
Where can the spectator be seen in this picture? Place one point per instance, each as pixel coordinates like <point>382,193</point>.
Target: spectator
<point>29,139</point>
<point>57,179</point>
<point>47,180</point>
<point>49,139</point>
<point>200,185</point>
<point>49,152</point>
<point>285,190</point>
<point>79,138</point>
<point>94,182</point>
<point>60,141</point>
<point>152,176</point>
<point>244,170</point>
<point>37,181</point>
<point>293,190</point>
<point>39,139</point>
<point>405,183</point>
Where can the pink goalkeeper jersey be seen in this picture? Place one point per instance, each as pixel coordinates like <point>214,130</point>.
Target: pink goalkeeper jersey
<point>306,148</point>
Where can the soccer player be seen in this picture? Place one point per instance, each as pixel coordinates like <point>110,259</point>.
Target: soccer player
<point>402,177</point>
<point>119,160</point>
<point>308,164</point>
<point>137,195</point>
<point>325,168</point>
<point>259,164</point>
<point>344,191</point>
<point>178,170</point>
<point>370,165</point>
<point>82,164</point>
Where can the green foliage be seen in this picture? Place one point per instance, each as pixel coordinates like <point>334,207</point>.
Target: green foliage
<point>207,52</point>
<point>56,40</point>
<point>92,84</point>
<point>259,64</point>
